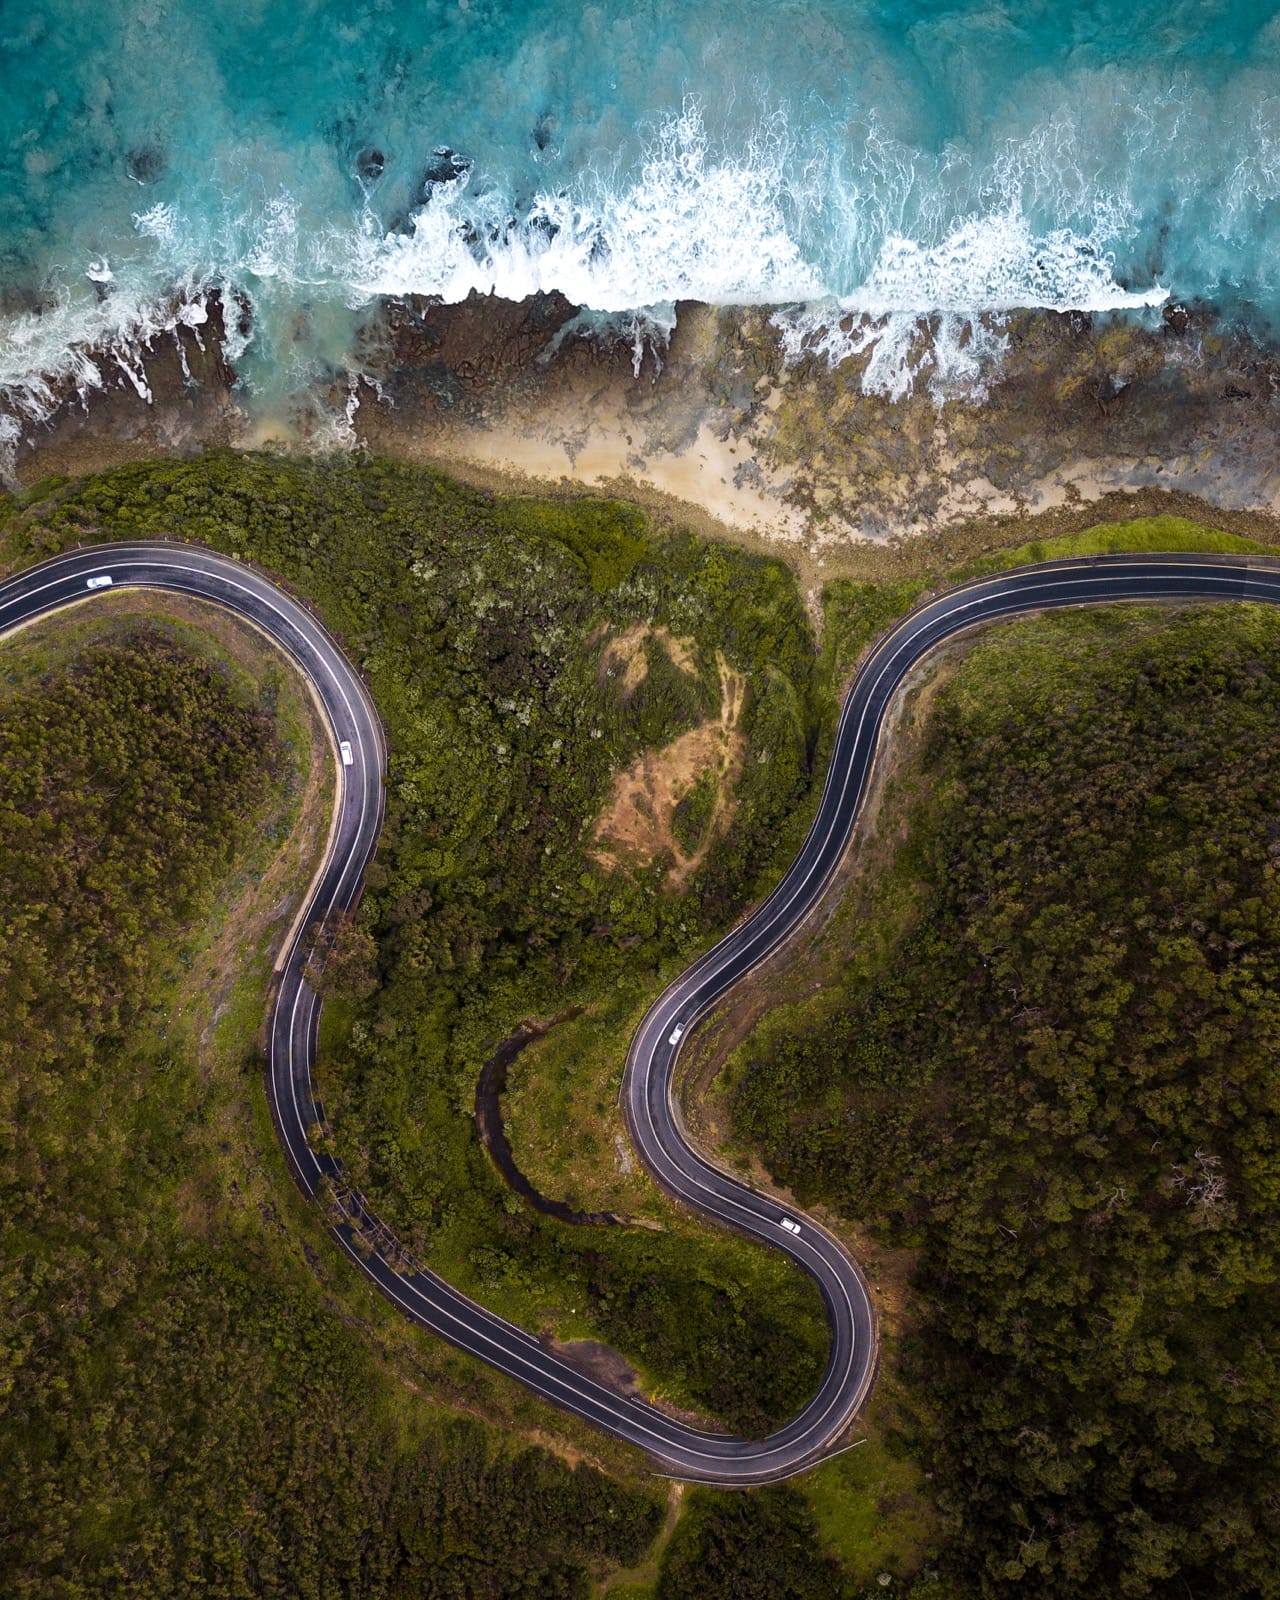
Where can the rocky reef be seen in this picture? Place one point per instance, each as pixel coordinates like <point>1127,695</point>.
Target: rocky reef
<point>727,425</point>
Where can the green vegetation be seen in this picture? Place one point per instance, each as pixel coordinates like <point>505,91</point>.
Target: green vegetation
<point>1056,1077</point>
<point>1111,538</point>
<point>768,1545</point>
<point>739,1547</point>
<point>104,828</point>
<point>855,612</point>
<point>668,700</point>
<point>100,831</point>
<point>182,1409</point>
<point>1045,1068</point>
<point>482,624</point>
<point>693,814</point>
<point>869,1506</point>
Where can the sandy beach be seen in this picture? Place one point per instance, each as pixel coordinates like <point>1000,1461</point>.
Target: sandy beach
<point>721,432</point>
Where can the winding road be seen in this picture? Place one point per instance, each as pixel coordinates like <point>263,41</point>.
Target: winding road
<point>652,1115</point>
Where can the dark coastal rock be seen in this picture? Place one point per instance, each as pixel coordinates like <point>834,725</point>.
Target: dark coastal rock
<point>147,163</point>
<point>443,166</point>
<point>370,165</point>
<point>190,408</point>
<point>443,385</point>
<point>458,360</point>
<point>1125,410</point>
<point>544,131</point>
<point>1175,316</point>
<point>1110,387</point>
<point>541,226</point>
<point>547,309</point>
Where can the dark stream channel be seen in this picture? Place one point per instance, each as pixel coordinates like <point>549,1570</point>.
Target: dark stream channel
<point>491,1085</point>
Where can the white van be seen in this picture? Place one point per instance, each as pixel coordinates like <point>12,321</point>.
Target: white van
<point>101,581</point>
<point>348,760</point>
<point>790,1225</point>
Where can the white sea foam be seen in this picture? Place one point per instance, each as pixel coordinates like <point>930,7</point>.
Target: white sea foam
<point>695,223</point>
<point>934,313</point>
<point>954,355</point>
<point>335,429</point>
<point>997,262</point>
<point>10,439</point>
<point>648,331</point>
<point>690,220</point>
<point>78,345</point>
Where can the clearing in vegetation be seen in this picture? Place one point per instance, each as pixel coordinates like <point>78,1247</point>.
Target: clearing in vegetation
<point>671,804</point>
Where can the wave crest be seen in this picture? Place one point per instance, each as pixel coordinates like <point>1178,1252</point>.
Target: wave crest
<point>692,220</point>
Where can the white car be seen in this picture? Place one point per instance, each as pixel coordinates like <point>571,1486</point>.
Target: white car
<point>676,1035</point>
<point>790,1225</point>
<point>348,760</point>
<point>101,581</point>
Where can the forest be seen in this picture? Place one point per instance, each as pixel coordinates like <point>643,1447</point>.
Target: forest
<point>1044,1071</point>
<point>181,1412</point>
<point>1052,1072</point>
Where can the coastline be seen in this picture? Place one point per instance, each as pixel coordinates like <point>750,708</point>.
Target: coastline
<point>721,432</point>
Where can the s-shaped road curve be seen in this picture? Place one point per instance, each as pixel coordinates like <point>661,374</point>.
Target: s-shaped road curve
<point>652,1116</point>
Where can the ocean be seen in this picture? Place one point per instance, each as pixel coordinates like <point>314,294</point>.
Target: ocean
<point>857,165</point>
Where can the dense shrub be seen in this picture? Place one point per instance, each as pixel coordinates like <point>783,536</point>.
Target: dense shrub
<point>481,623</point>
<point>1062,1085</point>
<point>181,1413</point>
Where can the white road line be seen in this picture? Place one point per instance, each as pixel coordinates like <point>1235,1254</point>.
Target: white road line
<point>424,1296</point>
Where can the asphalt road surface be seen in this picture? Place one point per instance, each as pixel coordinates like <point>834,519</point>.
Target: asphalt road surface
<point>652,1116</point>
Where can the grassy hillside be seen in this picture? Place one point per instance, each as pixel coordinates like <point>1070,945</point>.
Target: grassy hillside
<point>494,635</point>
<point>855,612</point>
<point>1139,534</point>
<point>183,1407</point>
<point>1050,1069</point>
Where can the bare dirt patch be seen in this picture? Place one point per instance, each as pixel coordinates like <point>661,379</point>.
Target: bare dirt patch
<point>609,1368</point>
<point>626,655</point>
<point>599,1361</point>
<point>636,825</point>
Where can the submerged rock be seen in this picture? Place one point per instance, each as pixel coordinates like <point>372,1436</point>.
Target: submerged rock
<point>370,165</point>
<point>541,225</point>
<point>147,163</point>
<point>443,166</point>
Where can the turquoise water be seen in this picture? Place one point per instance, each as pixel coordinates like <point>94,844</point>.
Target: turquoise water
<point>882,159</point>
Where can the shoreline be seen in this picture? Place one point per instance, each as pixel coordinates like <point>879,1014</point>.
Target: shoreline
<point>728,437</point>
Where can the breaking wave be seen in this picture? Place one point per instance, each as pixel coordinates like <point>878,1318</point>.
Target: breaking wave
<point>913,194</point>
<point>692,223</point>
